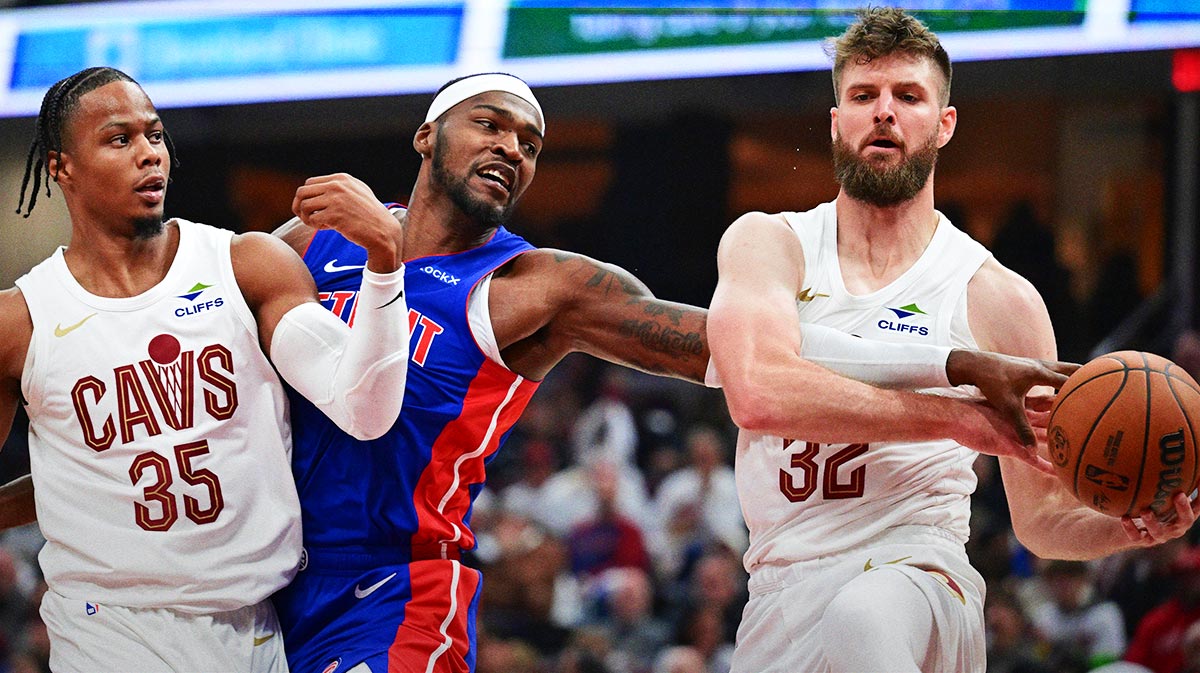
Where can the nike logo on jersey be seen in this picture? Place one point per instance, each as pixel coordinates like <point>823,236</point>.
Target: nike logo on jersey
<point>807,295</point>
<point>60,331</point>
<point>259,640</point>
<point>363,593</point>
<point>332,266</point>
<point>867,567</point>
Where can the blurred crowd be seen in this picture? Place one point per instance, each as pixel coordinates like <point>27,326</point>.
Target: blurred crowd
<point>610,539</point>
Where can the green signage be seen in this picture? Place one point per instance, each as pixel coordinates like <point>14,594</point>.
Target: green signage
<point>549,31</point>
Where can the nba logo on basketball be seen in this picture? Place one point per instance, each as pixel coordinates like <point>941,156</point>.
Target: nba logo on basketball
<point>155,393</point>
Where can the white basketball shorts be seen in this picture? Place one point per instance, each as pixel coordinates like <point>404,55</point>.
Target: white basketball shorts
<point>909,601</point>
<point>100,638</point>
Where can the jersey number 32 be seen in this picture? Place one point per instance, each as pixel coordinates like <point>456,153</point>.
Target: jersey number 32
<point>800,486</point>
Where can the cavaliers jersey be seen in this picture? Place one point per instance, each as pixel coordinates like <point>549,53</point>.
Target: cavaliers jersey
<point>158,438</point>
<point>802,500</point>
<point>414,486</point>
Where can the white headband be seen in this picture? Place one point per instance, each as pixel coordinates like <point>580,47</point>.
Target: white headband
<point>477,84</point>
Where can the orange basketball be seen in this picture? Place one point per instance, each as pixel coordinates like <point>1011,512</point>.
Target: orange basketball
<point>1122,433</point>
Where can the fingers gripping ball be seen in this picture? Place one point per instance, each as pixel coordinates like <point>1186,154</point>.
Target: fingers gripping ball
<point>1123,433</point>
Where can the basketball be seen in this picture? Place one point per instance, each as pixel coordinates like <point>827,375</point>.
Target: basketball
<point>1122,433</point>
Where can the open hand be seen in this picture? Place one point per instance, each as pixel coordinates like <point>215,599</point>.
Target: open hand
<point>1005,382</point>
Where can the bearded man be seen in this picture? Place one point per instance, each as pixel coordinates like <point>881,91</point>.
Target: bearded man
<point>856,557</point>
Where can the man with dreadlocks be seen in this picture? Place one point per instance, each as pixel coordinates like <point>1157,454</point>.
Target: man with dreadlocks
<point>159,433</point>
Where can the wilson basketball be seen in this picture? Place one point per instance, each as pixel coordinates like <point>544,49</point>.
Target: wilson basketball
<point>1122,433</point>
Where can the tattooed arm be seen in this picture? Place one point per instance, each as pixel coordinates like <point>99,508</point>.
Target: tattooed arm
<point>548,303</point>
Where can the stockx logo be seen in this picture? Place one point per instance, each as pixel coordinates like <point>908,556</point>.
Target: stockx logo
<point>906,311</point>
<point>196,290</point>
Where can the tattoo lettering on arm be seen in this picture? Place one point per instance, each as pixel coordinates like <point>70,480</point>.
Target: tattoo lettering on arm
<point>658,334</point>
<point>613,315</point>
<point>610,281</point>
<point>675,315</point>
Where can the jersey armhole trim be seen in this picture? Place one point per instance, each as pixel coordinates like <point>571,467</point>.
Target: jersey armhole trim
<point>224,245</point>
<point>31,380</point>
<point>308,245</point>
<point>479,314</point>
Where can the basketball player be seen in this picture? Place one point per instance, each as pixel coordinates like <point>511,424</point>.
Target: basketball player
<point>385,521</point>
<point>159,441</point>
<point>856,554</point>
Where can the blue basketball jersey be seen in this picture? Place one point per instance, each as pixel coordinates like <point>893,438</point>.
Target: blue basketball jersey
<point>414,485</point>
<point>377,514</point>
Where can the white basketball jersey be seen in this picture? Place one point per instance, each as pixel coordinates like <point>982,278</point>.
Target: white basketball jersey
<point>803,500</point>
<point>159,438</point>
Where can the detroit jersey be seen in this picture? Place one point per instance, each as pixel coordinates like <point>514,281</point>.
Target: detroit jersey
<point>415,485</point>
<point>159,439</point>
<point>803,500</point>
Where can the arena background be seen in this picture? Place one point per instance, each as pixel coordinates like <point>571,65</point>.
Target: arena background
<point>1075,160</point>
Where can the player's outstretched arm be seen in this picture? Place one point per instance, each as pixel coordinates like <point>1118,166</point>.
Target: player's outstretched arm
<point>355,376</point>
<point>573,303</point>
<point>582,305</point>
<point>1006,314</point>
<point>756,340</point>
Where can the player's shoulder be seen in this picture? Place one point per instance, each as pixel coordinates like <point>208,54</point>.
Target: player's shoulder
<point>541,261</point>
<point>552,273</point>
<point>998,285</point>
<point>296,234</point>
<point>1006,309</point>
<point>258,257</point>
<point>757,233</point>
<point>256,242</point>
<point>12,304</point>
<point>756,224</point>
<point>16,329</point>
<point>759,221</point>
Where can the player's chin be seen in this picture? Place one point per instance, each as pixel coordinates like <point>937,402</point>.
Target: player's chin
<point>148,225</point>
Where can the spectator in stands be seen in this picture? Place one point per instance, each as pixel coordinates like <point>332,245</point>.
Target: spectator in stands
<point>625,598</point>
<point>607,539</point>
<point>1141,579</point>
<point>697,506</point>
<point>1011,643</point>
<point>680,659</point>
<point>1158,641</point>
<point>1081,630</point>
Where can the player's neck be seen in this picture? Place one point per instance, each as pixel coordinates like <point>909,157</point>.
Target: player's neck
<point>876,245</point>
<point>429,230</point>
<point>119,264</point>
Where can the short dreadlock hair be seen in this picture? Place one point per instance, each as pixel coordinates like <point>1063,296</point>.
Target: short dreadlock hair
<point>881,31</point>
<point>59,103</point>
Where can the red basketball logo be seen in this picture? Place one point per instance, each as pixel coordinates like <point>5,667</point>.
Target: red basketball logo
<point>163,349</point>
